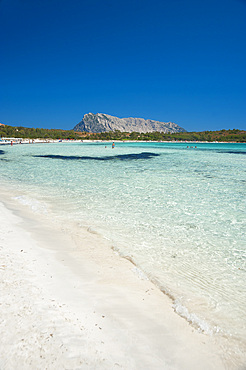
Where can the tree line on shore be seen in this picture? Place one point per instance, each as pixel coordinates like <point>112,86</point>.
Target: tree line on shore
<point>222,135</point>
<point>234,135</point>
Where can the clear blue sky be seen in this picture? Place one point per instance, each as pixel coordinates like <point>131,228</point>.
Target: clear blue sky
<point>178,60</point>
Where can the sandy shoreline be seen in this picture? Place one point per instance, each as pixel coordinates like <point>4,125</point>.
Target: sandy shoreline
<point>16,141</point>
<point>72,303</point>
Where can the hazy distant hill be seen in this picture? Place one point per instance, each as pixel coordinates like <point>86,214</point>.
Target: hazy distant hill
<point>105,123</point>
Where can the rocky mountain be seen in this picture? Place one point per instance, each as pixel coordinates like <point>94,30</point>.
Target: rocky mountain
<point>104,123</point>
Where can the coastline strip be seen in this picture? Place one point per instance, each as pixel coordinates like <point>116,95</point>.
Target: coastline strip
<point>64,306</point>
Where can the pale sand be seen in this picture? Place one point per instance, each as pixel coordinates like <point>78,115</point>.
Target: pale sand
<point>70,306</point>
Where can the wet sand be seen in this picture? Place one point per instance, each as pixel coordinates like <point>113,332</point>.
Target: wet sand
<point>69,301</point>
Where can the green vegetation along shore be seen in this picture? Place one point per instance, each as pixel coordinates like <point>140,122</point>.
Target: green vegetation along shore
<point>39,133</point>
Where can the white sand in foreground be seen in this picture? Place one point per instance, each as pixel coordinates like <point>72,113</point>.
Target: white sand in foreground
<point>86,309</point>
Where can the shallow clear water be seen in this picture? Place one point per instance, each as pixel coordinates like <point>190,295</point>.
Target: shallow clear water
<point>177,212</point>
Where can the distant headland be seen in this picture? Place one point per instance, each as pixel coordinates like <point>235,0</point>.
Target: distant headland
<point>100,122</point>
<point>105,127</point>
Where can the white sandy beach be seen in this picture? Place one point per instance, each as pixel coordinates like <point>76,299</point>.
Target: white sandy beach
<point>70,303</point>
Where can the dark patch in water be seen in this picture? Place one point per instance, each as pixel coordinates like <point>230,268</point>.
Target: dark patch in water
<point>231,151</point>
<point>2,152</point>
<point>121,157</point>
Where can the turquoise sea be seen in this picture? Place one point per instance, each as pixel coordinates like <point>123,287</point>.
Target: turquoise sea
<point>178,213</point>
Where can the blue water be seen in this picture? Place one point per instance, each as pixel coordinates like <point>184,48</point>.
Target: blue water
<point>178,213</point>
